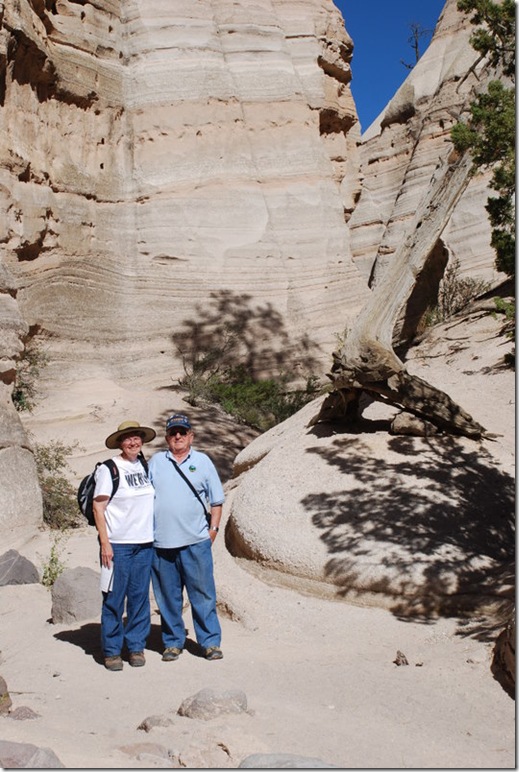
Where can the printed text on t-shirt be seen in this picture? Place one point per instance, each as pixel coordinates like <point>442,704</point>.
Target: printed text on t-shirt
<point>136,480</point>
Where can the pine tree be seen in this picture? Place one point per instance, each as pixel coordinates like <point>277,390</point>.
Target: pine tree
<point>490,132</point>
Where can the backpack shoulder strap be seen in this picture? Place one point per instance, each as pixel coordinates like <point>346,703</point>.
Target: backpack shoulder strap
<point>143,462</point>
<point>114,471</point>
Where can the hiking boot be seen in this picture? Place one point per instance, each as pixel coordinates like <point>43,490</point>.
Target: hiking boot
<point>214,652</point>
<point>171,654</point>
<point>136,659</point>
<point>113,663</point>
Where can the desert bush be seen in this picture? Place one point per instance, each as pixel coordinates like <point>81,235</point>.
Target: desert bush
<point>507,308</point>
<point>260,403</point>
<point>30,365</point>
<point>54,566</point>
<point>60,508</point>
<point>454,294</point>
<point>238,355</point>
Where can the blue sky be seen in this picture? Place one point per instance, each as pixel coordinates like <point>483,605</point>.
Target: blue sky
<point>380,30</point>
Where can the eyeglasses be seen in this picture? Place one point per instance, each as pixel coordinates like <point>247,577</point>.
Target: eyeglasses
<point>174,432</point>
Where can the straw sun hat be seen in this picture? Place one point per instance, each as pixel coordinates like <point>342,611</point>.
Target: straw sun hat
<point>127,427</point>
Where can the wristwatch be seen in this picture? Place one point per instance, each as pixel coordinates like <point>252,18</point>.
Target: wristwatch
<point>214,528</point>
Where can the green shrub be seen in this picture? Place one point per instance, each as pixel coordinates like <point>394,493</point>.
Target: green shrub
<point>259,403</point>
<point>507,308</point>
<point>60,508</point>
<point>455,293</point>
<point>239,356</point>
<point>54,566</point>
<point>30,365</point>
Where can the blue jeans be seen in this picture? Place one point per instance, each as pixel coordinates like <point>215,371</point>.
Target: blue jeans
<point>131,583</point>
<point>190,567</point>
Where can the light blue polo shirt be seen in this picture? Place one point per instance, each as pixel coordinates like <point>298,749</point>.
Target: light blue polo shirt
<point>179,519</point>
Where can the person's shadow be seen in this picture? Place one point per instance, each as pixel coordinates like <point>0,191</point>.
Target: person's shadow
<point>88,638</point>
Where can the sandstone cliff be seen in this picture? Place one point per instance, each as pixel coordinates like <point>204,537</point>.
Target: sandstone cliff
<point>157,160</point>
<point>403,151</point>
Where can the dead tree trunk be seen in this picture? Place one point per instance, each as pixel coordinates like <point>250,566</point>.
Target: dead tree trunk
<point>367,362</point>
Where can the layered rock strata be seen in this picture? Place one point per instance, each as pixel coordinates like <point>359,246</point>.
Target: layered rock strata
<point>160,162</point>
<point>403,151</point>
<point>158,158</point>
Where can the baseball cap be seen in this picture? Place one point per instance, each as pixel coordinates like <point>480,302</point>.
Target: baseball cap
<point>178,420</point>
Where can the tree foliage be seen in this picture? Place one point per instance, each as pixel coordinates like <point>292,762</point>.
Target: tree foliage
<point>60,509</point>
<point>495,36</point>
<point>490,132</point>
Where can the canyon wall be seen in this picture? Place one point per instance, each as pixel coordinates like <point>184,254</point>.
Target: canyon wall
<point>160,161</point>
<point>163,157</point>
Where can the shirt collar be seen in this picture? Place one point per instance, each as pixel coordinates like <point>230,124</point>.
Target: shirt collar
<point>170,455</point>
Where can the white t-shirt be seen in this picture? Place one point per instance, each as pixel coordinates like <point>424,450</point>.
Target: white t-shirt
<point>129,515</point>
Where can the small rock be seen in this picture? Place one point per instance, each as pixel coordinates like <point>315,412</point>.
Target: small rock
<point>76,596</point>
<point>406,423</point>
<point>152,721</point>
<point>5,699</point>
<point>26,755</point>
<point>138,750</point>
<point>23,713</point>
<point>207,704</point>
<point>401,659</point>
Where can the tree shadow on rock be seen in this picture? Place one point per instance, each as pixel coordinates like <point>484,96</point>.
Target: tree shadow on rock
<point>228,331</point>
<point>216,434</point>
<point>431,526</point>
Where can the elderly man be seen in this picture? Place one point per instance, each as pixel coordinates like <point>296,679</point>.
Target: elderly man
<point>186,483</point>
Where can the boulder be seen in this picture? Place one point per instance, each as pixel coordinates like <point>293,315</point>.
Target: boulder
<point>16,569</point>
<point>27,756</point>
<point>76,596</point>
<point>349,511</point>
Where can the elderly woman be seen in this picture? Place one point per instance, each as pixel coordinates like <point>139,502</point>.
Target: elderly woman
<point>124,521</point>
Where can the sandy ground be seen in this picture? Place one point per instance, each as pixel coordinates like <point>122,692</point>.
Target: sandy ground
<point>319,675</point>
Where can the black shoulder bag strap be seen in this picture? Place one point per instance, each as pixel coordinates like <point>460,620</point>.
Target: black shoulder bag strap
<point>181,473</point>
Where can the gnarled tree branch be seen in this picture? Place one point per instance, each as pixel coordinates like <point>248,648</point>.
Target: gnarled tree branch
<point>366,361</point>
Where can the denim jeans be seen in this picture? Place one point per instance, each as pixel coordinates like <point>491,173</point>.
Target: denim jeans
<point>131,583</point>
<point>190,567</point>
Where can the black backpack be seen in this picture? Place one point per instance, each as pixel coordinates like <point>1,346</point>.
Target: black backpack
<point>85,492</point>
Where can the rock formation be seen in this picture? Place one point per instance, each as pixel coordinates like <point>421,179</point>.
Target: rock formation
<point>419,525</point>
<point>154,162</point>
<point>412,192</point>
<point>405,149</point>
<point>361,515</point>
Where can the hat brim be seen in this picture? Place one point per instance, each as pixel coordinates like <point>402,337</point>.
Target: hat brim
<point>112,441</point>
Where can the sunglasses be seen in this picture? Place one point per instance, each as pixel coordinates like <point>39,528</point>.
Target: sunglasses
<point>173,432</point>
